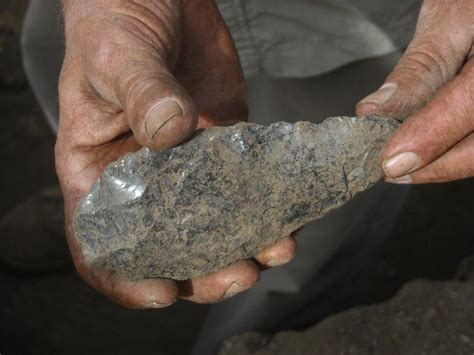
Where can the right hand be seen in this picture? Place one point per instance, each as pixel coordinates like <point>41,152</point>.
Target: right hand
<point>146,73</point>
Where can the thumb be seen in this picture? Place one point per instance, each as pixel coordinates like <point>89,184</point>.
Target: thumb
<point>431,132</point>
<point>433,58</point>
<point>159,111</point>
<point>130,64</point>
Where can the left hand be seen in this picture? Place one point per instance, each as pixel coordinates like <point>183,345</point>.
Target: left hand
<point>433,87</point>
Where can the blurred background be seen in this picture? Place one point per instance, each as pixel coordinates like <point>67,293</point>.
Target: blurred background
<point>52,311</point>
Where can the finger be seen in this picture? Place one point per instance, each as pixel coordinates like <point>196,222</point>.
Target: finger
<point>434,57</point>
<point>279,254</point>
<point>223,284</point>
<point>433,130</point>
<point>159,111</point>
<point>148,293</point>
<point>141,294</point>
<point>456,164</point>
<point>131,66</point>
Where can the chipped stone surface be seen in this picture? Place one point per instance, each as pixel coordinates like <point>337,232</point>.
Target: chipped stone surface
<point>225,194</point>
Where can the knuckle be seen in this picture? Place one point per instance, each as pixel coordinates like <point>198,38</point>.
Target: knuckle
<point>436,10</point>
<point>141,84</point>
<point>427,59</point>
<point>103,54</point>
<point>136,83</point>
<point>90,48</point>
<point>425,65</point>
<point>153,24</point>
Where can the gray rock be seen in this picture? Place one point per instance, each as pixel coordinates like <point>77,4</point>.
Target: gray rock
<point>225,194</point>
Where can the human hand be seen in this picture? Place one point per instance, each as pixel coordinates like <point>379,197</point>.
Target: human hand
<point>433,85</point>
<point>147,73</point>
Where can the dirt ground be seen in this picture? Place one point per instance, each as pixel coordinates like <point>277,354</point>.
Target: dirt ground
<point>58,313</point>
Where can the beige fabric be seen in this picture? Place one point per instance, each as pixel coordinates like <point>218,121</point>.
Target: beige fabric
<point>302,38</point>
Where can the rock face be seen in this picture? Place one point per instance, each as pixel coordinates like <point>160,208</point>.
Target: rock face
<point>225,194</point>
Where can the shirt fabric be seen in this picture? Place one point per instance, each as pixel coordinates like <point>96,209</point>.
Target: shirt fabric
<point>303,38</point>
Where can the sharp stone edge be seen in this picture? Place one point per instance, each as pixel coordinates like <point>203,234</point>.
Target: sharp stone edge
<point>225,194</point>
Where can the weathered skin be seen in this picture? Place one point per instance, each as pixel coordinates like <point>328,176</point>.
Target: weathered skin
<point>225,194</point>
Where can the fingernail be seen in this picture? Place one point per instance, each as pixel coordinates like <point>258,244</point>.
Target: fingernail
<point>404,180</point>
<point>381,96</point>
<point>401,165</point>
<point>160,114</point>
<point>158,305</point>
<point>233,289</point>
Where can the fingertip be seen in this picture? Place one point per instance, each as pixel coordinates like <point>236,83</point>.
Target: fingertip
<point>160,114</point>
<point>154,298</point>
<point>279,254</point>
<point>155,293</point>
<point>167,124</point>
<point>401,164</point>
<point>225,283</point>
<point>403,180</point>
<point>245,272</point>
<point>375,102</point>
<point>141,294</point>
<point>365,109</point>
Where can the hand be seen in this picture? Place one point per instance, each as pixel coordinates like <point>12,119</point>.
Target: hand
<point>146,73</point>
<point>433,85</point>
